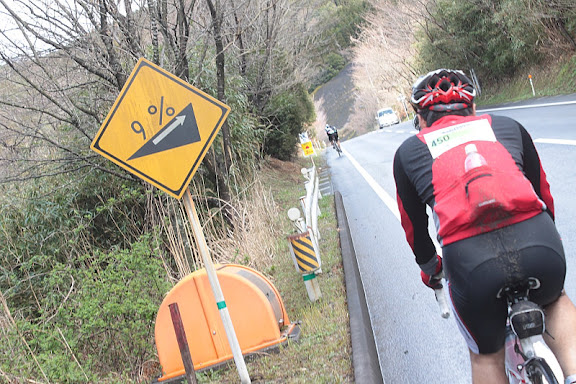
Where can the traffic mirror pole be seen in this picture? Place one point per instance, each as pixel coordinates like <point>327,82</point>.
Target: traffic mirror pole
<point>216,289</point>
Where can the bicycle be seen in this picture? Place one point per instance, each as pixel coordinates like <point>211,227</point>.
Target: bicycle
<point>527,357</point>
<point>336,146</point>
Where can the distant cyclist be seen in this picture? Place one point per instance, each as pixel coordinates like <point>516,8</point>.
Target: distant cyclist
<point>332,133</point>
<point>495,219</point>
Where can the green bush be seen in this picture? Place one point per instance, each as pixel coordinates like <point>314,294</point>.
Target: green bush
<point>342,21</point>
<point>287,114</point>
<point>49,225</point>
<point>334,64</point>
<point>350,19</point>
<point>99,319</point>
<point>491,37</point>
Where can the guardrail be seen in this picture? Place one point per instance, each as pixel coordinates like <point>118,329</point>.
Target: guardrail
<point>304,245</point>
<point>311,208</point>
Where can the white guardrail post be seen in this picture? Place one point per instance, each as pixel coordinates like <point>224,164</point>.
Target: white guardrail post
<point>306,260</point>
<point>315,209</point>
<point>303,251</point>
<point>311,210</point>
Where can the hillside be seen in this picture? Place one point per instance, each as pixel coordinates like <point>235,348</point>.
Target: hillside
<point>335,101</point>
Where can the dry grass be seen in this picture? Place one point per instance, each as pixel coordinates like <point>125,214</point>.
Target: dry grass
<point>324,349</point>
<point>554,78</point>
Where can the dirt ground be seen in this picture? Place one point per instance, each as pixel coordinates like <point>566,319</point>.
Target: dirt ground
<point>288,169</point>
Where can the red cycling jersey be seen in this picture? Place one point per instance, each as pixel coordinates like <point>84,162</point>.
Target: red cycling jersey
<point>429,170</point>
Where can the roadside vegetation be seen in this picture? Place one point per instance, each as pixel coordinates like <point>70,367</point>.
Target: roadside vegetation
<point>323,352</point>
<point>88,250</point>
<point>501,42</point>
<point>555,78</point>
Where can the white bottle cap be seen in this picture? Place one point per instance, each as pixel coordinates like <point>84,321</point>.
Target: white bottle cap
<point>470,148</point>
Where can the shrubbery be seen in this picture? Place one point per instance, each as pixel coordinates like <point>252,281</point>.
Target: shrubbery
<point>95,318</point>
<point>496,39</point>
<point>287,114</point>
<point>80,278</point>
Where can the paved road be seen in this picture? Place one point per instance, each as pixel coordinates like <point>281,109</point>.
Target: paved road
<point>414,343</point>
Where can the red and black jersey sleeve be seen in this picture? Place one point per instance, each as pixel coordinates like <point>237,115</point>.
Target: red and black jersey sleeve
<point>412,212</point>
<point>535,173</point>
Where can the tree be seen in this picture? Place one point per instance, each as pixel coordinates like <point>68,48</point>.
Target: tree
<point>497,39</point>
<point>384,66</point>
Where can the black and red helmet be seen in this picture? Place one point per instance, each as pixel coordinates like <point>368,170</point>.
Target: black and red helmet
<point>443,90</point>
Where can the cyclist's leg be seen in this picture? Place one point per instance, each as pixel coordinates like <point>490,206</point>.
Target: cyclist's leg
<point>547,262</point>
<point>488,368</point>
<point>477,268</point>
<point>561,323</point>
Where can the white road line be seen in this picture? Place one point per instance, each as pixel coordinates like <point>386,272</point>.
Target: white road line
<point>411,132</point>
<point>382,194</point>
<point>385,197</point>
<point>528,106</point>
<point>556,141</point>
<point>390,201</point>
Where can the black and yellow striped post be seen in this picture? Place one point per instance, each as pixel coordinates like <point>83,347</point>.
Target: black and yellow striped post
<point>306,261</point>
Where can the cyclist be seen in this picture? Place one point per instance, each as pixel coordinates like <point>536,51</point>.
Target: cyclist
<point>495,222</point>
<point>332,133</point>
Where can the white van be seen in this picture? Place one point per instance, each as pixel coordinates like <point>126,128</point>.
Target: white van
<point>386,117</point>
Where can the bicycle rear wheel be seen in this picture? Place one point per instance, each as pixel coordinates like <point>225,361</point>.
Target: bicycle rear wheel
<point>540,372</point>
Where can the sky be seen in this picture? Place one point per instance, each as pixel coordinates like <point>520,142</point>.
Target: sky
<point>10,35</point>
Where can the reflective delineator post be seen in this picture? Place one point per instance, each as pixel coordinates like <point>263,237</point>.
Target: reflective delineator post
<point>532,85</point>
<point>216,289</point>
<point>306,261</point>
<point>312,286</point>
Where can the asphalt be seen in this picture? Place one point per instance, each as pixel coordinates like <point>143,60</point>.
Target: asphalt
<point>364,352</point>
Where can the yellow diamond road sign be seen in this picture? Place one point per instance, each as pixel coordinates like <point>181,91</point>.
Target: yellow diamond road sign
<point>160,128</point>
<point>307,148</point>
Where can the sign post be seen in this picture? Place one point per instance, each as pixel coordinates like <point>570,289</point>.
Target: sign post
<point>216,289</point>
<point>182,343</point>
<point>160,128</point>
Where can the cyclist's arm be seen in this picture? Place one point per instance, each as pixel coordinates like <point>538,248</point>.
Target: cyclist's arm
<point>534,171</point>
<point>413,215</point>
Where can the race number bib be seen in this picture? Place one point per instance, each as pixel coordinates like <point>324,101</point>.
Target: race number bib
<point>447,138</point>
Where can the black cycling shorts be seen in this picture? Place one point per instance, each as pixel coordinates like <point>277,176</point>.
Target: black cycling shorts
<point>333,136</point>
<point>478,267</point>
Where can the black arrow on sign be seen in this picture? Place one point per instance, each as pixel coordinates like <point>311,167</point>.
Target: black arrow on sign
<point>181,130</point>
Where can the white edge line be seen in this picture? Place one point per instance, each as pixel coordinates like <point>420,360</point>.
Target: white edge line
<point>556,141</point>
<point>382,194</point>
<point>528,106</point>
